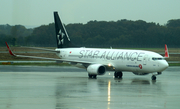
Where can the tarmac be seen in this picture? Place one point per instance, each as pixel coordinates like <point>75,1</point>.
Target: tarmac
<point>59,87</point>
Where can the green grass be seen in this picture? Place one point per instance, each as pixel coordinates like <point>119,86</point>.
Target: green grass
<point>174,64</point>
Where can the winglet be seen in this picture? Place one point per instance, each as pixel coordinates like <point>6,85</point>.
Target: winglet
<point>9,49</point>
<point>166,52</point>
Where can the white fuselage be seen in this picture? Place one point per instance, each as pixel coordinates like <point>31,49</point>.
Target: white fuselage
<point>122,60</point>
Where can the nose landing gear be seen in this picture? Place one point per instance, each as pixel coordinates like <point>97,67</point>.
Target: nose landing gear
<point>154,76</point>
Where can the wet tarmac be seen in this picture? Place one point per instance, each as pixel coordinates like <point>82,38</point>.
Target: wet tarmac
<point>32,87</point>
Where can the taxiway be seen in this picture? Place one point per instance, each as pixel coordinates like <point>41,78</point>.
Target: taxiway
<point>53,87</point>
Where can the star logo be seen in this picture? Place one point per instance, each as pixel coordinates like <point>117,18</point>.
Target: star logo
<point>60,37</point>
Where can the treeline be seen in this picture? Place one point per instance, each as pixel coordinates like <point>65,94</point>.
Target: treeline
<point>122,33</point>
<point>14,35</point>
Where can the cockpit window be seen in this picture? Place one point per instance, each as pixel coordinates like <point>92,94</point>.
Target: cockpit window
<point>158,59</point>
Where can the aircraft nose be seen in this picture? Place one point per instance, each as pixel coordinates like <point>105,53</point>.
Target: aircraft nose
<point>164,65</point>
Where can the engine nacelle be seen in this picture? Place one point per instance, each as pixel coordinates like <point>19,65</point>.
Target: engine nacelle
<point>96,69</point>
<point>138,73</point>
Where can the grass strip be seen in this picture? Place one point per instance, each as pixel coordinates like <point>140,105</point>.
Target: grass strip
<point>174,64</point>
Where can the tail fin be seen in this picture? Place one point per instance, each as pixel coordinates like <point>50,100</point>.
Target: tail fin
<point>166,52</point>
<point>63,40</point>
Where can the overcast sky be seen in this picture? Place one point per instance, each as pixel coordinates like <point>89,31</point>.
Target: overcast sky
<point>39,12</point>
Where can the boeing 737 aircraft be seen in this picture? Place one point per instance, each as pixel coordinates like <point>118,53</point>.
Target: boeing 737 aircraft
<point>98,61</point>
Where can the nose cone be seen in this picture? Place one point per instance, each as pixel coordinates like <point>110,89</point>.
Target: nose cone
<point>164,65</point>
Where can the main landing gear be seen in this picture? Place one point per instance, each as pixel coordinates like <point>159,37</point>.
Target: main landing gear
<point>154,76</point>
<point>92,76</point>
<point>118,74</point>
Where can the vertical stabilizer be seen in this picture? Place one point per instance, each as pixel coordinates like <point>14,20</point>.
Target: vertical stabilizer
<point>62,37</point>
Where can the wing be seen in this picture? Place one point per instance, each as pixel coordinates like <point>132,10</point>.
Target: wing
<point>109,66</point>
<point>50,50</point>
<point>166,52</point>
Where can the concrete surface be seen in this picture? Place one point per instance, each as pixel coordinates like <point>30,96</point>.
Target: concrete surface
<point>33,87</point>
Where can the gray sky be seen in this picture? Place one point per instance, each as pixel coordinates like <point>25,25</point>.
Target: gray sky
<point>39,12</point>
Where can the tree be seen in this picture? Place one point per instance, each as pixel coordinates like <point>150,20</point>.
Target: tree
<point>173,23</point>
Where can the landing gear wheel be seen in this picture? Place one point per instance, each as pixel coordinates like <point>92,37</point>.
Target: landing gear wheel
<point>153,77</point>
<point>92,76</point>
<point>118,74</point>
<point>115,75</point>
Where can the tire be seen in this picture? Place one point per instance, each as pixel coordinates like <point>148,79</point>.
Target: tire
<point>120,74</point>
<point>153,77</point>
<point>115,75</point>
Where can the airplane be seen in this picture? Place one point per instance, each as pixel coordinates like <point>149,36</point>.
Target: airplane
<point>98,61</point>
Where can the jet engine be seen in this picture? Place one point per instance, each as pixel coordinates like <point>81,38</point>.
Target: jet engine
<point>138,73</point>
<point>96,69</point>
